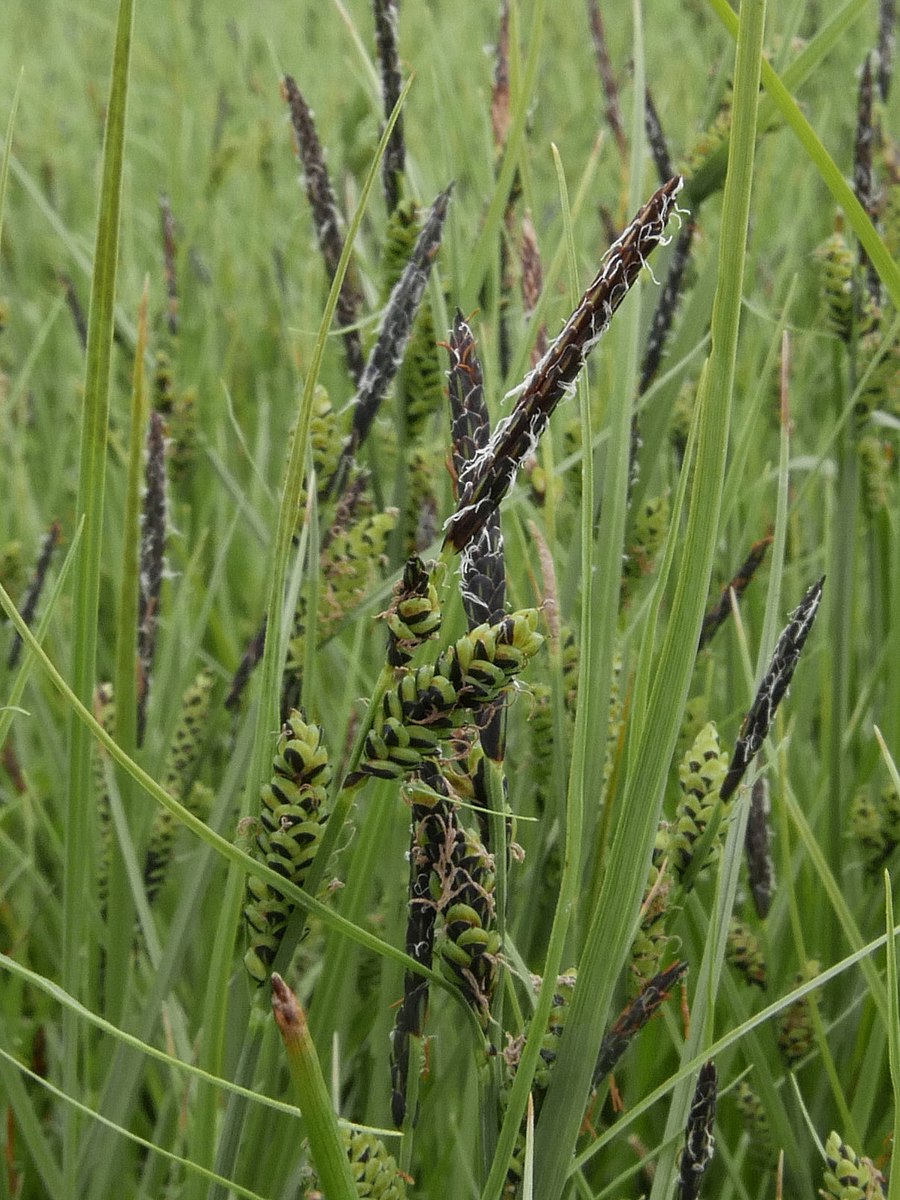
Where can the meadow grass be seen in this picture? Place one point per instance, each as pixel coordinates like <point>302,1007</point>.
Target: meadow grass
<point>495,861</point>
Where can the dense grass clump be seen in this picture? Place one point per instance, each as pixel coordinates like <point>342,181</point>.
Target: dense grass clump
<point>451,578</point>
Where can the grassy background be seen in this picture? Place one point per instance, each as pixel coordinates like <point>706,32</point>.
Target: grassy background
<point>206,125</point>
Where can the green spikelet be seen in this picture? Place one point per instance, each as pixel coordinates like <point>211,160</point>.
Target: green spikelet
<point>867,824</point>
<point>874,469</point>
<point>374,1170</point>
<point>290,829</point>
<point>562,998</point>
<point>189,735</point>
<point>570,665</point>
<point>614,728</point>
<point>695,716</point>
<point>163,383</point>
<point>847,1175</point>
<point>650,528</point>
<point>428,702</point>
<point>422,380</point>
<point>876,392</point>
<point>682,415</point>
<point>199,800</point>
<point>400,238</point>
<point>795,1030</point>
<point>540,728</point>
<point>420,522</point>
<point>756,1123</point>
<point>890,807</point>
<point>105,713</point>
<point>182,429</point>
<point>837,285</point>
<point>181,763</point>
<point>351,563</point>
<point>704,167</point>
<point>744,952</point>
<point>700,775</point>
<point>326,441</point>
<point>890,220</point>
<point>650,941</point>
<point>12,568</point>
<point>466,945</point>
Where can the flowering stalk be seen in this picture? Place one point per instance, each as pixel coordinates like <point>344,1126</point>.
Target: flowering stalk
<point>325,218</point>
<point>487,477</point>
<point>772,689</point>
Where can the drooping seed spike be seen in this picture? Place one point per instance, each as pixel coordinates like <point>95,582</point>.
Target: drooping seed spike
<point>744,952</point>
<point>180,765</point>
<point>837,284</point>
<point>795,1025</point>
<point>326,219</point>
<point>634,1016</point>
<point>763,1150</point>
<point>699,1143</point>
<point>152,559</point>
<point>32,596</point>
<point>758,846</point>
<point>396,324</point>
<point>394,161</point>
<point>719,613</point>
<point>700,776</point>
<point>291,821</point>
<point>771,690</point>
<point>488,477</point>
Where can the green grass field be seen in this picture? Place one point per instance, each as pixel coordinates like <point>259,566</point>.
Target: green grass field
<point>579,779</point>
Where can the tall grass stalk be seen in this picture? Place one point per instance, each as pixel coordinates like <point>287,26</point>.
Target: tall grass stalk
<point>89,503</point>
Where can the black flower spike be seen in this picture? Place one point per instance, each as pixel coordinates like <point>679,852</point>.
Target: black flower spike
<point>394,161</point>
<point>721,610</point>
<point>666,305</point>
<point>634,1016</point>
<point>483,575</point>
<point>35,587</point>
<point>167,224</point>
<point>487,478</point>
<point>772,689</point>
<point>699,1143</point>
<point>758,846</point>
<point>325,218</point>
<point>153,559</point>
<point>399,314</point>
<point>656,139</point>
<point>610,87</point>
<point>887,25</point>
<point>863,176</point>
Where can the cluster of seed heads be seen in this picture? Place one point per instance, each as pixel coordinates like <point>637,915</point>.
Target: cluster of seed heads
<point>848,1175</point>
<point>427,702</point>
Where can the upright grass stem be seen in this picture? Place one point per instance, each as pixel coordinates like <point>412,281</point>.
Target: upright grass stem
<point>89,503</point>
